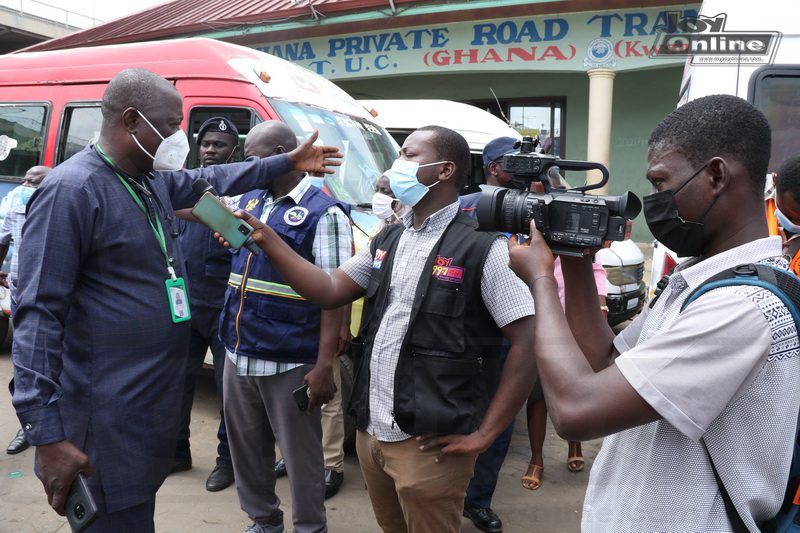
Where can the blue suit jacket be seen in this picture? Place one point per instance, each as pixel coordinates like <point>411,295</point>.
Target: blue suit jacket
<point>98,360</point>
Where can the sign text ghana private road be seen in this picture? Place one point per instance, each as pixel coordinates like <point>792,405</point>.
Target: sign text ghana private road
<point>569,42</point>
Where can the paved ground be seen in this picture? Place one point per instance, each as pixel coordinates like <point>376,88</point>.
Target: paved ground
<point>184,506</point>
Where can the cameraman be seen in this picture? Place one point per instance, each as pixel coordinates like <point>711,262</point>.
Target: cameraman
<point>676,389</point>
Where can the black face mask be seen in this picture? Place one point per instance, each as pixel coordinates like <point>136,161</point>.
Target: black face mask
<point>681,236</point>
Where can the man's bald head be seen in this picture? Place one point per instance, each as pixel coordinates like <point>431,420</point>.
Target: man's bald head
<point>138,88</point>
<point>268,138</point>
<point>35,175</point>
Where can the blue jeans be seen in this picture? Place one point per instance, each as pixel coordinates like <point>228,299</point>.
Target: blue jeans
<point>487,469</point>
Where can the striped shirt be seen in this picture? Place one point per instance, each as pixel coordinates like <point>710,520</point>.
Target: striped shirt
<point>333,245</point>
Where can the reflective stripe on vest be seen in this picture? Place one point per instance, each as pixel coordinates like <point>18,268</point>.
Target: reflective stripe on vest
<point>263,287</point>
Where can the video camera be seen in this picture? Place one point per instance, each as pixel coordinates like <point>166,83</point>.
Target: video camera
<point>569,219</point>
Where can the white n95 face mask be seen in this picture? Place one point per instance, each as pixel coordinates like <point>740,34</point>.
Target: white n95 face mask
<point>172,151</point>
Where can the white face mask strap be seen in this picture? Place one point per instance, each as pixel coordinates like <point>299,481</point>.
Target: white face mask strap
<point>142,147</point>
<point>430,165</point>
<point>149,124</point>
<point>436,163</point>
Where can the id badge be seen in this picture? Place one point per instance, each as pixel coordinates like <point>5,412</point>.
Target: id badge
<point>178,300</point>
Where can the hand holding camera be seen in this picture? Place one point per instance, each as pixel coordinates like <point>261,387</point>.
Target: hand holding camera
<point>532,259</point>
<point>571,221</point>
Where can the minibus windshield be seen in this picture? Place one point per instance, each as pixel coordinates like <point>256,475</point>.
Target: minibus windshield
<point>368,149</point>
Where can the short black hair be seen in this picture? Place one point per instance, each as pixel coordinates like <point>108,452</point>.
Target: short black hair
<point>718,125</point>
<point>451,146</point>
<point>788,178</point>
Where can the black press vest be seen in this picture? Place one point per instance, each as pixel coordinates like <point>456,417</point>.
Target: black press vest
<point>449,359</point>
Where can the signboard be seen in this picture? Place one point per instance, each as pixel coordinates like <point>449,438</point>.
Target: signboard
<point>622,40</point>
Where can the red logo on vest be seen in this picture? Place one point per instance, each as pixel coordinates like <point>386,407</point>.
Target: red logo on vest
<point>443,270</point>
<point>377,262</point>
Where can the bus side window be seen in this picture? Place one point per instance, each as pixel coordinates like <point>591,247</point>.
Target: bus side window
<point>79,129</point>
<point>776,92</point>
<point>22,129</point>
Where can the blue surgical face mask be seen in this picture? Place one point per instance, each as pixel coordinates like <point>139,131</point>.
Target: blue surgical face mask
<point>404,183</point>
<point>25,194</point>
<point>785,223</point>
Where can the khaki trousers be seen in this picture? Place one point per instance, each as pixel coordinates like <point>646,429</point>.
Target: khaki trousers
<point>333,425</point>
<point>411,493</point>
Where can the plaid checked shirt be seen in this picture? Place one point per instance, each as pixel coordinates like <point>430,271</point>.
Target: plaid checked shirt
<point>333,245</point>
<point>505,295</point>
<point>11,232</point>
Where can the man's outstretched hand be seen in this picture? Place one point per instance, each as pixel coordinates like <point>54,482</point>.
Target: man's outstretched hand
<point>315,159</point>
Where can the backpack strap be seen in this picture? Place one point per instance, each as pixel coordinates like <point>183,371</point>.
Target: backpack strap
<point>786,286</point>
<point>783,284</point>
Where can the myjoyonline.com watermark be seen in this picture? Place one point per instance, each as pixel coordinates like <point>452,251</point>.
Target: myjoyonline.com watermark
<point>706,41</point>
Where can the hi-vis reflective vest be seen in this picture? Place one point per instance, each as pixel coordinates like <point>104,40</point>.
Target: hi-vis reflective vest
<point>775,229</point>
<point>263,317</point>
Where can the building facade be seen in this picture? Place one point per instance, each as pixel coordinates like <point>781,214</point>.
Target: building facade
<point>581,72</point>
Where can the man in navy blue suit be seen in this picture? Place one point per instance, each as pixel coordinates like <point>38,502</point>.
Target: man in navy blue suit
<point>100,345</point>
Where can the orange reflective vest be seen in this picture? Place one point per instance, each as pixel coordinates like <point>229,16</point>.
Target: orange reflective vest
<point>775,229</point>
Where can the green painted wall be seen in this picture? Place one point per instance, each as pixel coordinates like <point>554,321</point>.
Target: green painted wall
<point>641,100</point>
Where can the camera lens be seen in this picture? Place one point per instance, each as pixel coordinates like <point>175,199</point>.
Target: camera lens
<point>79,511</point>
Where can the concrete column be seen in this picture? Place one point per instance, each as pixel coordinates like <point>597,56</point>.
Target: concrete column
<point>601,97</point>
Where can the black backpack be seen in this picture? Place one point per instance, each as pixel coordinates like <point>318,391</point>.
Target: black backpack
<point>785,286</point>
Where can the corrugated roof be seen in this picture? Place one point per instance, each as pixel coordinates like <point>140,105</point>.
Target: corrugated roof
<point>187,17</point>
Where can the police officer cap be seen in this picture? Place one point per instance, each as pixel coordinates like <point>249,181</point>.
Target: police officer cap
<point>497,148</point>
<point>220,124</point>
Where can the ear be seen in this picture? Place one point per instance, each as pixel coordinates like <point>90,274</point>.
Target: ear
<point>719,171</point>
<point>131,119</point>
<point>491,168</point>
<point>447,171</point>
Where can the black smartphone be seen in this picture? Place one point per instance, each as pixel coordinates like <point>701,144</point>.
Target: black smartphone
<point>81,510</point>
<point>301,397</point>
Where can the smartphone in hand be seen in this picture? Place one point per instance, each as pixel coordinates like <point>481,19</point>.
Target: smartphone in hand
<point>214,214</point>
<point>301,396</point>
<point>81,509</point>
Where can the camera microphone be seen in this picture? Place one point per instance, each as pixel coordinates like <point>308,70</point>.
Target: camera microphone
<point>201,186</point>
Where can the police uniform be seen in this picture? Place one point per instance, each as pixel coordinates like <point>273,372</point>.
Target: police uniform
<point>271,335</point>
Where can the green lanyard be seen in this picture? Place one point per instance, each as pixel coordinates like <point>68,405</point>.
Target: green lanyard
<point>158,230</point>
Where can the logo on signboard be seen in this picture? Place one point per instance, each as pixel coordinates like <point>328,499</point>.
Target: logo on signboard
<point>707,42</point>
<point>295,216</point>
<point>600,54</point>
